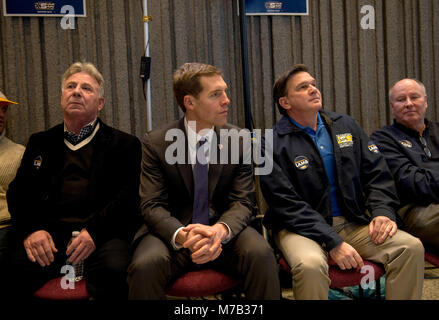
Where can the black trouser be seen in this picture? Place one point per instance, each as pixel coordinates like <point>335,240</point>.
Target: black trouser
<point>6,241</point>
<point>248,256</point>
<point>104,270</point>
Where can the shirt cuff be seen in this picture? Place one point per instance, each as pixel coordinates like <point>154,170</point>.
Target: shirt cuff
<point>229,235</point>
<point>175,245</point>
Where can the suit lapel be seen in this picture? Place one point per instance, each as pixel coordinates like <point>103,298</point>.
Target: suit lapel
<point>216,168</point>
<point>101,141</point>
<point>55,155</point>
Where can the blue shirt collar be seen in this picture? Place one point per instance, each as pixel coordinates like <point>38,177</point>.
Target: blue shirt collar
<point>308,129</point>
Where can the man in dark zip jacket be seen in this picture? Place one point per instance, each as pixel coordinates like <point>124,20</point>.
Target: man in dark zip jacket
<point>411,148</point>
<point>331,193</point>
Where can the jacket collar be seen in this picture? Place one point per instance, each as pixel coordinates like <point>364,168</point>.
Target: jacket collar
<point>104,134</point>
<point>410,131</point>
<point>285,126</point>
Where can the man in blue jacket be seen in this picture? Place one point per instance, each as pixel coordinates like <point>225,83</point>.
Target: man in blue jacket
<point>411,148</point>
<point>331,193</point>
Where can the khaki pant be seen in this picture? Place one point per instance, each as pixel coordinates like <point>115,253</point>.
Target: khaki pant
<point>422,222</point>
<point>402,257</point>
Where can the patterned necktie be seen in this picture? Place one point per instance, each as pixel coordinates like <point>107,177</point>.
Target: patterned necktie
<point>83,134</point>
<point>200,212</point>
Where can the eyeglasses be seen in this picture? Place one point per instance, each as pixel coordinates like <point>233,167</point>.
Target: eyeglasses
<point>424,145</point>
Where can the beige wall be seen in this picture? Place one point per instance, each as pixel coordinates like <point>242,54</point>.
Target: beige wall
<point>354,67</point>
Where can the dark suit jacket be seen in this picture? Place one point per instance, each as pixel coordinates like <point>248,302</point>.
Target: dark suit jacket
<point>166,190</point>
<point>113,184</point>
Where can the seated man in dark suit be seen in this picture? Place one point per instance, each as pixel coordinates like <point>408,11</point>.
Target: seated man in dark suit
<point>80,175</point>
<point>411,148</point>
<point>197,211</point>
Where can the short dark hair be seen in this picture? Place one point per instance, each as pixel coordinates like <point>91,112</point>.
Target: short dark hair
<point>186,80</point>
<point>280,86</point>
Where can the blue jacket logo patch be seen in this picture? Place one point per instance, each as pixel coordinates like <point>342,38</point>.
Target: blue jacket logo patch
<point>373,148</point>
<point>345,140</point>
<point>301,162</point>
<point>406,143</point>
<point>37,162</point>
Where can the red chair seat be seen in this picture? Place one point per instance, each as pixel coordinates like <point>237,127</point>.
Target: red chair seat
<point>201,283</point>
<point>352,277</point>
<point>52,290</point>
<point>343,278</point>
<point>432,258</point>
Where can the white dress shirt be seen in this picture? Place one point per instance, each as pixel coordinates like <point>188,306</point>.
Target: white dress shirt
<point>193,139</point>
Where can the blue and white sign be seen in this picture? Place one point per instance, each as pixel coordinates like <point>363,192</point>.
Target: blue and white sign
<point>51,8</point>
<point>279,7</point>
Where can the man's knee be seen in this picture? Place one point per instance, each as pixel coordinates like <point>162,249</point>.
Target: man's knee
<point>113,257</point>
<point>414,246</point>
<point>311,265</point>
<point>262,256</point>
<point>147,264</point>
<point>260,252</point>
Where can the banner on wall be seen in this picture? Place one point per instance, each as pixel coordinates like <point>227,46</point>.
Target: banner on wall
<point>54,8</point>
<point>280,7</point>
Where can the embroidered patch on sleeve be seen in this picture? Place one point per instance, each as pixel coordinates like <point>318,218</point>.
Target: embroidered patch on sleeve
<point>373,148</point>
<point>406,143</point>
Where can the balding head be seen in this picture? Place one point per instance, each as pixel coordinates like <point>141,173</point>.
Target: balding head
<point>405,82</point>
<point>408,100</point>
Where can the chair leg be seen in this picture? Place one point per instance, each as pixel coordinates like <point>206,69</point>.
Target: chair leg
<point>360,292</point>
<point>378,288</point>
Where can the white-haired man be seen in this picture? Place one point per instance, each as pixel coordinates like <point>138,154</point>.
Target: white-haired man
<point>80,175</point>
<point>411,148</point>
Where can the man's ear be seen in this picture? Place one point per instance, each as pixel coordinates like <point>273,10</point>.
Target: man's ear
<point>188,102</point>
<point>101,103</point>
<point>283,101</point>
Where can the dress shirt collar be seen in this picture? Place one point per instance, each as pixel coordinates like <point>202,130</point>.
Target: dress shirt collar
<point>194,137</point>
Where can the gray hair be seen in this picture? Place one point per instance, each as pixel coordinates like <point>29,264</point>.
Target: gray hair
<point>88,68</point>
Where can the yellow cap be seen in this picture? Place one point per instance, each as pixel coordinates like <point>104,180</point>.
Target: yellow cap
<point>4,100</point>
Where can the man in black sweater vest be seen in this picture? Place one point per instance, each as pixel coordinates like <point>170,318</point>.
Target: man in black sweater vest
<point>81,175</point>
